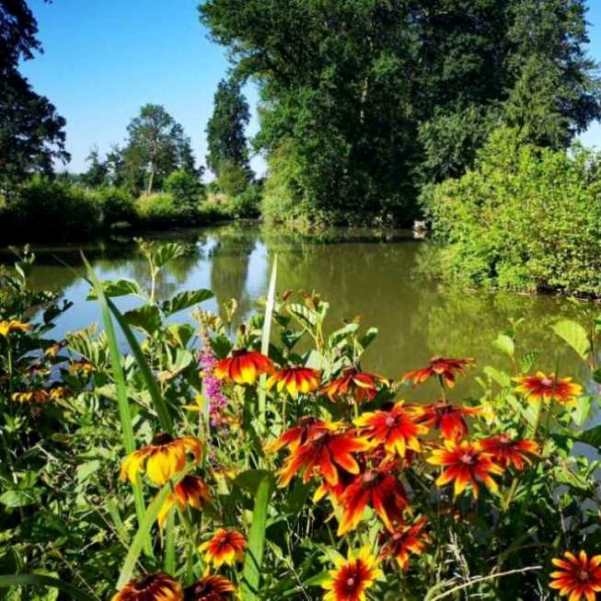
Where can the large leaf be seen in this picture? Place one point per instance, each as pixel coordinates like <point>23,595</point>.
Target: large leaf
<point>253,559</point>
<point>575,335</point>
<point>184,300</point>
<point>116,288</point>
<point>46,581</point>
<point>146,317</point>
<point>592,437</point>
<point>505,344</point>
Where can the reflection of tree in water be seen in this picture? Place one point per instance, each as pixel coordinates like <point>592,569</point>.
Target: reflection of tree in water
<point>229,266</point>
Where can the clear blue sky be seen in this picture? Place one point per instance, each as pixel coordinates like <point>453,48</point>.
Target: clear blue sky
<point>103,59</point>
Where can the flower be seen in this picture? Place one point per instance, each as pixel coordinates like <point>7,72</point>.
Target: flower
<point>82,367</point>
<point>449,419</point>
<point>578,576</point>
<point>154,587</point>
<point>14,325</point>
<point>326,449</point>
<point>508,452</point>
<point>243,367</point>
<point>352,577</point>
<point>548,388</point>
<point>212,385</point>
<point>360,386</point>
<point>210,588</point>
<point>397,429</point>
<point>164,458</point>
<point>441,367</point>
<point>226,546</point>
<point>295,380</point>
<point>190,491</point>
<point>467,465</point>
<point>296,435</point>
<point>378,488</point>
<point>404,540</point>
<point>39,396</point>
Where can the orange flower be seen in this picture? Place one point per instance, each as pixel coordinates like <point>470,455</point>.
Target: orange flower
<point>404,540</point>
<point>441,367</point>
<point>210,588</point>
<point>296,435</point>
<point>243,367</point>
<point>578,576</point>
<point>295,380</point>
<point>164,458</point>
<point>507,452</point>
<point>465,464</point>
<point>37,396</point>
<point>226,546</point>
<point>397,429</point>
<point>326,449</point>
<point>14,325</point>
<point>449,419</point>
<point>352,577</point>
<point>378,488</point>
<point>190,491</point>
<point>154,587</point>
<point>358,385</point>
<point>548,388</point>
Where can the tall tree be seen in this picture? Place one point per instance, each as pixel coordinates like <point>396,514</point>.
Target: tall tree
<point>31,132</point>
<point>97,173</point>
<point>225,131</point>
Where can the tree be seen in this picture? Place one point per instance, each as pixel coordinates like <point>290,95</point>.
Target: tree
<point>156,147</point>
<point>225,131</point>
<point>32,134</point>
<point>97,172</point>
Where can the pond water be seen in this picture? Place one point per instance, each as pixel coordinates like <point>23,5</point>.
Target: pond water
<point>376,276</point>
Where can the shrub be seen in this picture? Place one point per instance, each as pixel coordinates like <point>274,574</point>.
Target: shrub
<point>161,209</point>
<point>247,205</point>
<point>525,218</point>
<point>233,179</point>
<point>117,205</point>
<point>185,188</point>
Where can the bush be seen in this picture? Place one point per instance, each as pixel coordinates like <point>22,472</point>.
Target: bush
<point>233,179</point>
<point>525,218</point>
<point>248,204</point>
<point>117,205</point>
<point>161,209</point>
<point>185,188</point>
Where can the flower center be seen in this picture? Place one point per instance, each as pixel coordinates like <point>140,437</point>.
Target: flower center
<point>390,422</point>
<point>162,438</point>
<point>467,459</point>
<point>583,575</point>
<point>350,582</point>
<point>547,382</point>
<point>369,477</point>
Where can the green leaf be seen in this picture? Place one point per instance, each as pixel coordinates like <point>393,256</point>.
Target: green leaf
<point>40,580</point>
<point>253,559</point>
<point>18,498</point>
<point>505,344</point>
<point>368,337</point>
<point>340,335</point>
<point>250,480</point>
<point>146,318</point>
<point>500,377</point>
<point>116,288</point>
<point>582,411</point>
<point>167,252</point>
<point>575,335</point>
<point>592,437</point>
<point>185,299</point>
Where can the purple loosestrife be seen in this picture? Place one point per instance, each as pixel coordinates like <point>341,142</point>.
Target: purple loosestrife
<point>212,386</point>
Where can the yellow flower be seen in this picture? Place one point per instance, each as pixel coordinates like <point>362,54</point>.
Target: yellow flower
<point>191,491</point>
<point>153,587</point>
<point>352,577</point>
<point>226,546</point>
<point>14,325</point>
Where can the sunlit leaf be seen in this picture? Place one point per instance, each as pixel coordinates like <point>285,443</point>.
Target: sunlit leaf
<point>184,300</point>
<point>116,288</point>
<point>146,318</point>
<point>575,335</point>
<point>505,344</point>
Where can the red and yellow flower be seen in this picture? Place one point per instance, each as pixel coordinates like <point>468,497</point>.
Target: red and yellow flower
<point>403,541</point>
<point>354,384</point>
<point>191,491</point>
<point>295,380</point>
<point>326,449</point>
<point>297,435</point>
<point>466,465</point>
<point>154,587</point>
<point>243,367</point>
<point>442,368</point>
<point>578,576</point>
<point>211,588</point>
<point>226,546</point>
<point>352,577</point>
<point>396,429</point>
<point>164,458</point>
<point>13,325</point>
<point>449,419</point>
<point>508,452</point>
<point>378,488</point>
<point>541,387</point>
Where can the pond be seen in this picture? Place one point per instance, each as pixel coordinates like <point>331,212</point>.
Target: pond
<point>375,276</point>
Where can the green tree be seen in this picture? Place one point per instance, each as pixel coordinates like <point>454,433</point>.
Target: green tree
<point>97,172</point>
<point>225,130</point>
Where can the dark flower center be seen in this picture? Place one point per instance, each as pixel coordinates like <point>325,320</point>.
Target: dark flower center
<point>547,382</point>
<point>369,477</point>
<point>162,439</point>
<point>583,576</point>
<point>467,458</point>
<point>145,582</point>
<point>390,422</point>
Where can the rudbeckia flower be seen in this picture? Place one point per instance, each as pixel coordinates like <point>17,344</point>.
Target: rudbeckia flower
<point>295,380</point>
<point>325,450</point>
<point>466,465</point>
<point>39,396</point>
<point>541,387</point>
<point>578,576</point>
<point>154,587</point>
<point>378,488</point>
<point>396,429</point>
<point>442,368</point>
<point>164,458</point>
<point>243,367</point>
<point>352,577</point>
<point>508,452</point>
<point>295,436</point>
<point>354,384</point>
<point>404,540</point>
<point>449,419</point>
<point>226,546</point>
<point>14,325</point>
<point>191,491</point>
<point>210,588</point>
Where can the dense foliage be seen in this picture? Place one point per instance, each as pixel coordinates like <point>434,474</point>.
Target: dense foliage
<point>214,460</point>
<point>525,218</point>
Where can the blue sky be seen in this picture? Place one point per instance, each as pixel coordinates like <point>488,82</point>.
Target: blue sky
<point>103,59</point>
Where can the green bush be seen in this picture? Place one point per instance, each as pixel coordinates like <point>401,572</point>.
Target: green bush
<point>185,188</point>
<point>161,209</point>
<point>117,205</point>
<point>525,218</point>
<point>233,179</point>
<point>248,204</point>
